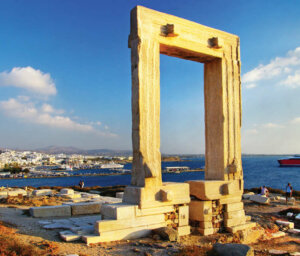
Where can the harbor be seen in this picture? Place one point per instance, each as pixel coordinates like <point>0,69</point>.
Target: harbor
<point>253,165</point>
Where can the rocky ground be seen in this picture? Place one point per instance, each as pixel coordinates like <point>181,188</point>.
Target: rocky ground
<point>28,231</point>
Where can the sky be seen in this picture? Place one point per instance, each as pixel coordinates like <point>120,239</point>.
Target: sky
<point>65,76</point>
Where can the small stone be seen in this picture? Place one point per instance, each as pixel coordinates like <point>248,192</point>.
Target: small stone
<point>167,233</point>
<point>136,250</point>
<point>156,237</point>
<point>44,222</point>
<point>278,234</point>
<point>158,246</point>
<point>294,231</point>
<point>289,214</point>
<point>232,249</point>
<point>247,195</point>
<point>67,191</point>
<point>294,253</point>
<point>277,252</point>
<point>68,236</point>
<point>285,223</point>
<point>260,199</point>
<point>119,195</point>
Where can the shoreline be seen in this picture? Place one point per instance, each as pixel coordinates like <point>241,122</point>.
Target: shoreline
<point>94,174</point>
<point>120,188</point>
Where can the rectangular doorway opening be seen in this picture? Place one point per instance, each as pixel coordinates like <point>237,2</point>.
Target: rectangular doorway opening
<point>182,124</point>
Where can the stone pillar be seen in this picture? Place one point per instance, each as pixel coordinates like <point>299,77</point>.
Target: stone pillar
<point>222,89</point>
<point>145,113</point>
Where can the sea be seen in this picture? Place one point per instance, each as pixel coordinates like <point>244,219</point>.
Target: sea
<point>258,170</point>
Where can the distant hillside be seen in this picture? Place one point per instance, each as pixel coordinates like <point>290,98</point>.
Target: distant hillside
<point>74,150</point>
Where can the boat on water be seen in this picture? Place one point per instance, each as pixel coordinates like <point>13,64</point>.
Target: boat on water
<point>65,167</point>
<point>111,166</point>
<point>289,161</point>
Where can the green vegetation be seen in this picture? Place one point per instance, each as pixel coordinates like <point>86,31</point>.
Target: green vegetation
<point>14,169</point>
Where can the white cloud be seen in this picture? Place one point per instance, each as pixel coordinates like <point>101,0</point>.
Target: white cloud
<point>251,131</point>
<point>95,123</point>
<point>292,81</point>
<point>30,79</point>
<point>272,141</point>
<point>39,112</point>
<point>272,125</point>
<point>45,115</point>
<point>250,86</point>
<point>296,120</point>
<point>284,69</point>
<point>47,108</point>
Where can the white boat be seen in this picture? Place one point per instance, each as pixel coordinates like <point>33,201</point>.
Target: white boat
<point>111,166</point>
<point>69,168</point>
<point>66,167</point>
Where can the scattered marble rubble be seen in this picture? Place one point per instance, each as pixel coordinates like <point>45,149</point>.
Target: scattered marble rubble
<point>83,203</point>
<point>277,252</point>
<point>294,231</point>
<point>278,234</point>
<point>73,228</point>
<point>282,200</point>
<point>282,253</point>
<point>262,199</point>
<point>285,226</point>
<point>294,253</point>
<point>79,203</point>
<point>5,192</point>
<point>247,195</point>
<point>288,224</point>
<point>259,199</point>
<point>43,192</point>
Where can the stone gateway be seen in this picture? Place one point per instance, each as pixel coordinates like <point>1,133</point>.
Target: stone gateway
<point>148,203</point>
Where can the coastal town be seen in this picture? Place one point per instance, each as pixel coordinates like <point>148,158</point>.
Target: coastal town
<point>14,164</point>
<point>32,164</point>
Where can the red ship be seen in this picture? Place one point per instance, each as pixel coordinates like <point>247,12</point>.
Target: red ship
<point>290,161</point>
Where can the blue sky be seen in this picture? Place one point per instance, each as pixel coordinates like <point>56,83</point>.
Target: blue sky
<point>65,74</point>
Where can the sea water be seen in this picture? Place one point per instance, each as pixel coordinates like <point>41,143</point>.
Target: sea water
<point>258,171</point>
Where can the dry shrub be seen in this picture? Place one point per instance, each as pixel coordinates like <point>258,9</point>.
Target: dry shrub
<point>33,201</point>
<point>11,246</point>
<point>58,188</point>
<point>44,187</point>
<point>193,251</point>
<point>50,248</point>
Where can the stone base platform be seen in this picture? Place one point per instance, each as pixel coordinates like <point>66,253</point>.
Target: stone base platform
<point>217,205</point>
<point>152,209</point>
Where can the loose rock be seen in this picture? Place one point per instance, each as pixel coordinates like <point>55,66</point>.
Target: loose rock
<point>232,250</point>
<point>167,233</point>
<point>278,252</point>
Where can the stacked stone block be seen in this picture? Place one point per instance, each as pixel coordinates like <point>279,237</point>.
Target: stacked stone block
<point>216,205</point>
<point>125,220</point>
